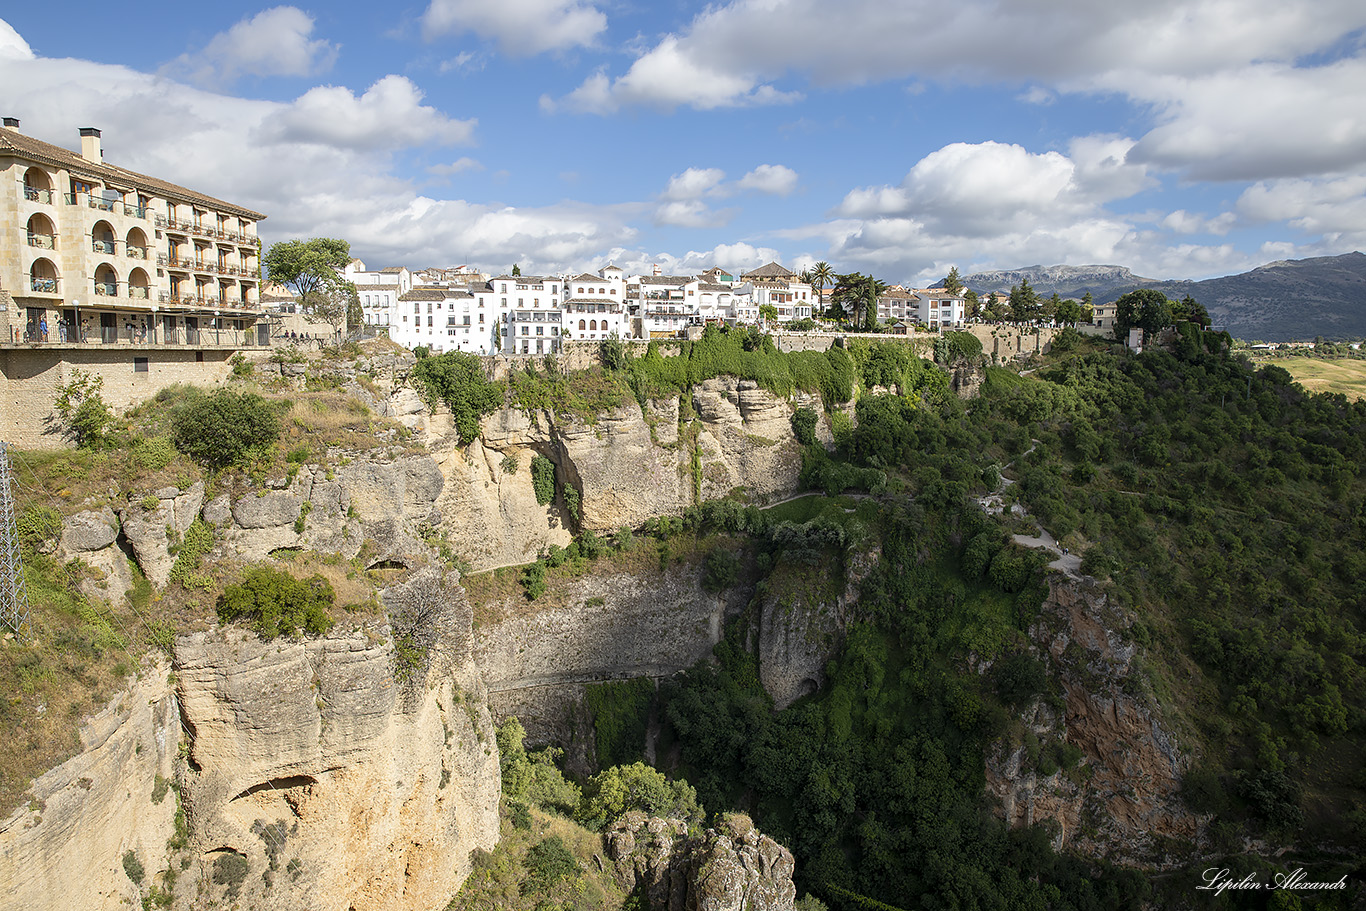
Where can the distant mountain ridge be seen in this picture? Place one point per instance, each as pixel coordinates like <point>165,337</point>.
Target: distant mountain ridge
<point>1280,301</point>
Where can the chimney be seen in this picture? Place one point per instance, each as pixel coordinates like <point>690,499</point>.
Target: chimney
<point>658,271</point>
<point>90,145</point>
<point>12,123</point>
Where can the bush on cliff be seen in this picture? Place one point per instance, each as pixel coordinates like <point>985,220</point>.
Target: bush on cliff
<point>278,603</point>
<point>458,380</point>
<point>224,427</point>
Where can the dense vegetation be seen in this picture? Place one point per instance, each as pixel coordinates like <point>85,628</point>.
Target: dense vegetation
<point>1220,503</point>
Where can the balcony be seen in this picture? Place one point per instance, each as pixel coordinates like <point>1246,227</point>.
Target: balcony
<point>141,336</point>
<point>134,252</point>
<point>42,285</point>
<point>33,194</point>
<point>108,247</point>
<point>104,205</point>
<point>135,211</point>
<point>45,241</point>
<point>106,289</point>
<point>139,292</point>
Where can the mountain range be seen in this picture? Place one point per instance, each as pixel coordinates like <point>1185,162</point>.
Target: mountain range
<point>1280,301</point>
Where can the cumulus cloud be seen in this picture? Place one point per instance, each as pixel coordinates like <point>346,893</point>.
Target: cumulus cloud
<point>1228,82</point>
<point>274,42</point>
<point>12,45</point>
<point>691,213</point>
<point>694,183</point>
<point>773,179</point>
<point>388,115</point>
<point>520,27</point>
<point>1331,206</point>
<point>455,167</point>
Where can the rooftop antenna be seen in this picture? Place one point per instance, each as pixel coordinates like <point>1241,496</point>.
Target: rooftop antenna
<point>13,591</point>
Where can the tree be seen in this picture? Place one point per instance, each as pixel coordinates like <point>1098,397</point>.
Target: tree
<point>457,379</point>
<point>355,316</point>
<point>516,269</point>
<point>82,408</point>
<point>224,427</point>
<point>1147,309</point>
<point>1189,309</point>
<point>332,303</point>
<point>768,313</point>
<point>821,276</point>
<point>1068,312</point>
<point>973,305</point>
<point>307,265</point>
<point>953,283</point>
<point>1024,302</point>
<point>1088,307</point>
<point>994,309</point>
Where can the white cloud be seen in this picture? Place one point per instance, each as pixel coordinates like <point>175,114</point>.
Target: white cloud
<point>1333,206</point>
<point>773,179</point>
<point>694,183</point>
<point>12,45</point>
<point>274,42</point>
<point>455,167</point>
<point>1228,81</point>
<point>389,115</point>
<point>1183,222</point>
<point>463,60</point>
<point>691,213</point>
<point>521,27</point>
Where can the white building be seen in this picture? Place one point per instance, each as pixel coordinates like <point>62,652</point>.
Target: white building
<point>379,291</point>
<point>938,309</point>
<point>780,288</point>
<point>595,306</point>
<point>531,309</point>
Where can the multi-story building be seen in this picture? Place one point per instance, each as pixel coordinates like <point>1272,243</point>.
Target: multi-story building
<point>379,291</point>
<point>938,309</point>
<point>102,255</point>
<point>781,289</point>
<point>595,306</point>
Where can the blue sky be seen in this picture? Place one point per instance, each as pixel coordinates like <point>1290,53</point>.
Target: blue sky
<point>1182,139</point>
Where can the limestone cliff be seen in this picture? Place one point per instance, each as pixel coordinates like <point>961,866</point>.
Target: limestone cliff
<point>732,867</point>
<point>537,660</point>
<point>1122,801</point>
<point>66,847</point>
<point>318,773</point>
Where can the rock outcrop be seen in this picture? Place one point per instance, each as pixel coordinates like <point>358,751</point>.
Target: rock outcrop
<point>536,663</point>
<point>733,867</point>
<point>330,783</point>
<point>1125,803</point>
<point>67,847</point>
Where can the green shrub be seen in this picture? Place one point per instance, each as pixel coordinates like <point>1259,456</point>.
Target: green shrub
<point>153,453</point>
<point>533,580</point>
<point>804,426</point>
<point>619,710</point>
<point>198,541</point>
<point>613,354</point>
<point>278,602</point>
<point>548,862</point>
<point>133,867</point>
<point>720,570</point>
<point>83,409</point>
<point>509,464</point>
<point>224,427</point>
<point>571,501</point>
<point>39,528</point>
<point>543,479</point>
<point>613,792</point>
<point>230,869</point>
<point>457,379</point>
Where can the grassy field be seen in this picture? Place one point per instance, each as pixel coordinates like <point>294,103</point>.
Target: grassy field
<point>1347,376</point>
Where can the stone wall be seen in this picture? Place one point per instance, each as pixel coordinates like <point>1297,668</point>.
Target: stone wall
<point>32,374</point>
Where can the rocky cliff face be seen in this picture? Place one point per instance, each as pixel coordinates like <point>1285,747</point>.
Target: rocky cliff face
<point>66,847</point>
<point>314,774</point>
<point>537,663</point>
<point>1122,801</point>
<point>733,867</point>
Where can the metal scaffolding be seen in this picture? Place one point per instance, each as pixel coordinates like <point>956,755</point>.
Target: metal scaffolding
<point>13,592</point>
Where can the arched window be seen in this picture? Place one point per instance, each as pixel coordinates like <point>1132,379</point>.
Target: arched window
<point>582,325</point>
<point>41,233</point>
<point>43,276</point>
<point>106,281</point>
<point>139,286</point>
<point>593,326</point>
<point>37,185</point>
<point>136,244</point>
<point>102,238</point>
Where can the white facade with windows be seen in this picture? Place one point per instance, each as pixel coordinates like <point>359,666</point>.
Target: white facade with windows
<point>595,308</point>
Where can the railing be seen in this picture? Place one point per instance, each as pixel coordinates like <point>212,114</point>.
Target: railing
<point>104,205</point>
<point>159,221</point>
<point>135,211</point>
<point>134,252</point>
<point>34,194</point>
<point>46,241</point>
<point>70,199</point>
<point>202,229</point>
<point>104,246</point>
<point>106,289</point>
<point>42,285</point>
<point>139,292</point>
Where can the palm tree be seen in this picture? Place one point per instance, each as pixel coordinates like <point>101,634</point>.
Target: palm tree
<point>821,275</point>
